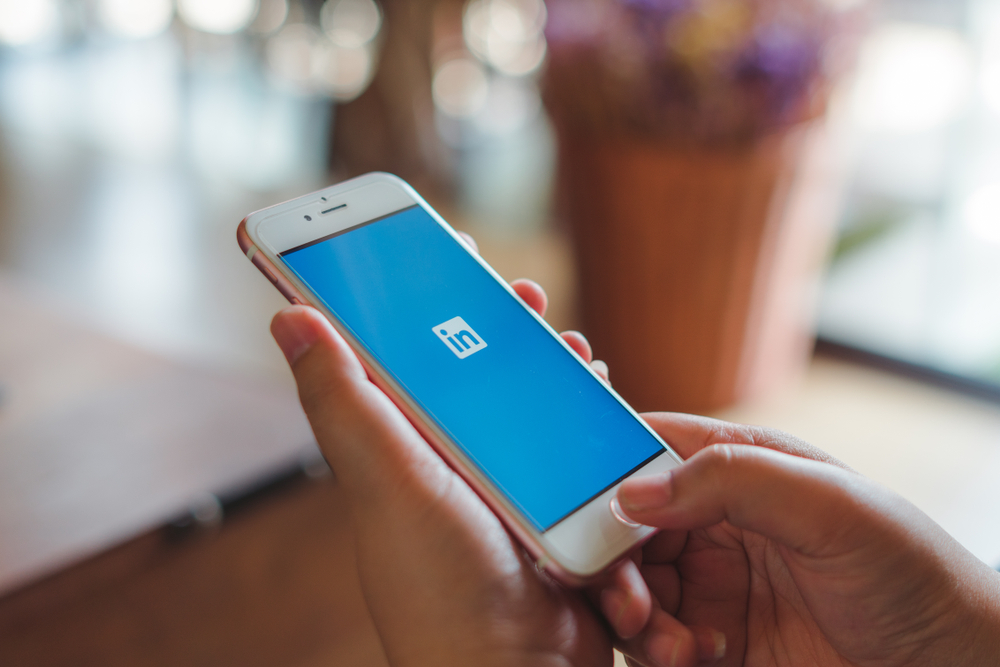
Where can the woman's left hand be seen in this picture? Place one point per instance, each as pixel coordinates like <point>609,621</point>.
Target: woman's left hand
<point>444,582</point>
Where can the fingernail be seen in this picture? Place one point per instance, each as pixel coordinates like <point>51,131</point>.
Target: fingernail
<point>720,644</point>
<point>663,650</point>
<point>646,493</point>
<point>600,368</point>
<point>711,644</point>
<point>293,333</point>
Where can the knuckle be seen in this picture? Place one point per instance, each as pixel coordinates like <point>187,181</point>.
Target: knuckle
<point>724,463</point>
<point>721,456</point>
<point>771,438</point>
<point>760,436</point>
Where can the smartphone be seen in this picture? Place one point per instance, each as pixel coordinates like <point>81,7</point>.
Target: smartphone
<point>501,397</point>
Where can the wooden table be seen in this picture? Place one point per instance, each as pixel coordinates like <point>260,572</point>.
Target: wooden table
<point>152,513</point>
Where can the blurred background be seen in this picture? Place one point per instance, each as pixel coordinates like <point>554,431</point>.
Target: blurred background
<point>703,187</point>
<point>134,134</point>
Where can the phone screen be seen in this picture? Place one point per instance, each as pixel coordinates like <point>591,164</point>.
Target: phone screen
<point>536,422</point>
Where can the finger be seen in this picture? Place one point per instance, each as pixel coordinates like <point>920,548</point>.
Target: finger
<point>532,294</point>
<point>471,241</point>
<point>689,434</point>
<point>665,546</point>
<point>601,368</point>
<point>797,502</point>
<point>624,599</point>
<point>710,643</point>
<point>368,442</point>
<point>579,343</point>
<point>664,641</point>
<point>664,583</point>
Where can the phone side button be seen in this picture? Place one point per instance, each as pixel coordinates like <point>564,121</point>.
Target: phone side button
<point>270,275</point>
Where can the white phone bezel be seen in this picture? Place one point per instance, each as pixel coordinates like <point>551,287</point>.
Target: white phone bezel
<point>580,545</point>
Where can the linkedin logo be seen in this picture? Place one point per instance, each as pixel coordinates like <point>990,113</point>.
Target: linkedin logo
<point>459,337</point>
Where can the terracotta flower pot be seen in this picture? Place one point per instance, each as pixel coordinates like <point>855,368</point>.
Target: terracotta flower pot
<point>698,267</point>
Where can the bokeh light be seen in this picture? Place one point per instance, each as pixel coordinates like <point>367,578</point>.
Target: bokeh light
<point>221,17</point>
<point>981,213</point>
<point>460,87</point>
<point>506,34</point>
<point>990,86</point>
<point>271,15</point>
<point>984,24</point>
<point>24,22</point>
<point>136,19</point>
<point>291,54</point>
<point>350,23</point>
<point>844,5</point>
<point>302,56</point>
<point>912,78</point>
<point>131,98</point>
<point>511,103</point>
<point>343,73</point>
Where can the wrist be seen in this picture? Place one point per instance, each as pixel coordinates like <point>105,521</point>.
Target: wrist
<point>975,636</point>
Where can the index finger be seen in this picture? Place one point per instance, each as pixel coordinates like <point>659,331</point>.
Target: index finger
<point>471,241</point>
<point>689,434</point>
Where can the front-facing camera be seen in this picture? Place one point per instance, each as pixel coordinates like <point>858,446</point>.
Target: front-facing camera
<point>308,217</point>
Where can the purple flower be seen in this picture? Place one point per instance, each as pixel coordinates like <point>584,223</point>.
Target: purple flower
<point>662,9</point>
<point>713,69</point>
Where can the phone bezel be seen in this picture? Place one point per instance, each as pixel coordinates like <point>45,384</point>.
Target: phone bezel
<point>579,546</point>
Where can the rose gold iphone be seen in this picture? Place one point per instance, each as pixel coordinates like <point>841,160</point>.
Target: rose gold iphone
<point>497,392</point>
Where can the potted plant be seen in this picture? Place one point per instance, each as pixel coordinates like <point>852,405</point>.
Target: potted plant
<point>693,176</point>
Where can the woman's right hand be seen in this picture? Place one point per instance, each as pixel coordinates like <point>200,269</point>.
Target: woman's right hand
<point>798,560</point>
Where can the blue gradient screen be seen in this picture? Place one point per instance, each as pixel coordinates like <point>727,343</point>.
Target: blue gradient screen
<point>525,410</point>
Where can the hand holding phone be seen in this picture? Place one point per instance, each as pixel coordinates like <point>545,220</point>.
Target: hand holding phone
<point>747,548</point>
<point>444,581</point>
<point>430,552</point>
<point>528,425</point>
<point>446,584</point>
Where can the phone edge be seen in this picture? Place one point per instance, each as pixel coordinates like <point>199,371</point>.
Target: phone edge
<point>544,560</point>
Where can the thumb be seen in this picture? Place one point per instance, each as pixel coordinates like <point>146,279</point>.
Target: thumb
<point>805,505</point>
<point>371,447</point>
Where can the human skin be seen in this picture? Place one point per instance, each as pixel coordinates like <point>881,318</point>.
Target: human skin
<point>772,550</point>
<point>800,561</point>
